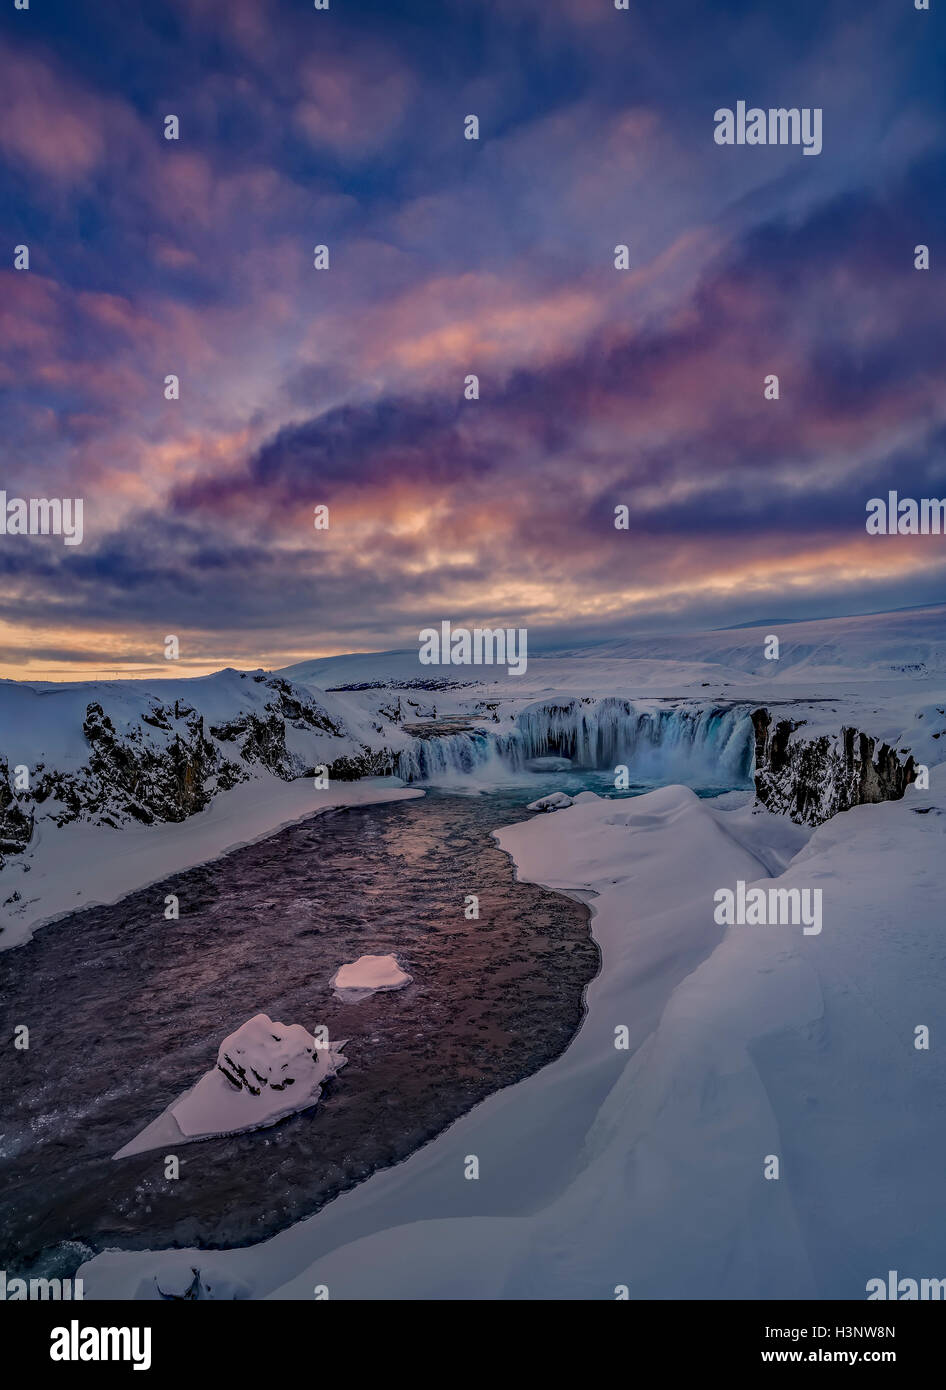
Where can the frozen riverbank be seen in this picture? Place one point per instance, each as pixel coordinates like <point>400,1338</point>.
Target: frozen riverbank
<point>644,1168</point>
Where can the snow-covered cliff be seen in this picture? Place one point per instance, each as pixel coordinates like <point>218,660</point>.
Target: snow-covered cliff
<point>112,753</point>
<point>812,778</point>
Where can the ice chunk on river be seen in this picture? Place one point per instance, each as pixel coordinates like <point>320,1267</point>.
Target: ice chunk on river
<point>264,1071</point>
<point>555,801</point>
<point>368,975</point>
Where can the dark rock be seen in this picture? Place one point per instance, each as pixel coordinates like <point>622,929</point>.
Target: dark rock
<point>812,779</point>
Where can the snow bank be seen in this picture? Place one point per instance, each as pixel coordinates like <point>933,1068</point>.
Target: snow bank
<point>201,1282</point>
<point>368,975</point>
<point>264,1071</point>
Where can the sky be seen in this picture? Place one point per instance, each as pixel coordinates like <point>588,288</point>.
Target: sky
<point>598,387</point>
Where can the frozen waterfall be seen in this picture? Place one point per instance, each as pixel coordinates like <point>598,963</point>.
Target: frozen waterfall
<point>709,744</point>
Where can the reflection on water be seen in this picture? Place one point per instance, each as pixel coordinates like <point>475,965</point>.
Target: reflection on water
<point>126,1010</point>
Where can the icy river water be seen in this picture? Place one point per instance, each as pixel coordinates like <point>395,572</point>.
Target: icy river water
<point>126,1010</point>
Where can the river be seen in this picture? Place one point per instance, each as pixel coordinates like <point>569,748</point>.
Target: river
<point>126,1010</point>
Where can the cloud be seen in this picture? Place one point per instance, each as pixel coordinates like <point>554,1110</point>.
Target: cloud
<point>49,123</point>
<point>451,257</point>
<point>504,507</point>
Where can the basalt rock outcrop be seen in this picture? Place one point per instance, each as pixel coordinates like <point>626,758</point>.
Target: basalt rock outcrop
<point>811,778</point>
<point>163,761</point>
<point>16,825</point>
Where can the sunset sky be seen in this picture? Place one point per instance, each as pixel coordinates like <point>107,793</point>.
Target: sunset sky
<point>448,257</point>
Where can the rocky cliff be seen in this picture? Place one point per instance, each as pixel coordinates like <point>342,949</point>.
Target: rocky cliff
<point>127,755</point>
<point>811,778</point>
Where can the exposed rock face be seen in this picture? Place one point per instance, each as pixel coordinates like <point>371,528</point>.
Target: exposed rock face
<point>264,739</point>
<point>166,761</point>
<point>369,763</point>
<point>812,779</point>
<point>131,778</point>
<point>16,827</point>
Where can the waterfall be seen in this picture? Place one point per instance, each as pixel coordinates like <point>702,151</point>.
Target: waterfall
<point>429,758</point>
<point>712,745</point>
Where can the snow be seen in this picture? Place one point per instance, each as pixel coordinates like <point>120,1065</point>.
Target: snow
<point>80,865</point>
<point>644,1166</point>
<point>192,1284</point>
<point>555,801</point>
<point>881,669</point>
<point>264,1071</point>
<point>369,975</point>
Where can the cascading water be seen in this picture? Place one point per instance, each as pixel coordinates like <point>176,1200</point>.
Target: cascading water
<point>712,745</point>
<point>428,759</point>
